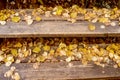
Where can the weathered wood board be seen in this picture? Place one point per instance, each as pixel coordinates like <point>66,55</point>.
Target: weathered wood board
<point>57,28</point>
<point>61,70</point>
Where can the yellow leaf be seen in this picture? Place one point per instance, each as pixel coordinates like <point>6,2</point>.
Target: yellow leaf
<point>3,17</point>
<point>115,47</point>
<point>73,15</point>
<point>9,58</point>
<point>115,9</point>
<point>52,52</point>
<point>95,9</point>
<point>62,45</point>
<point>72,46</point>
<point>91,27</point>
<point>103,20</point>
<point>26,53</point>
<point>41,2</point>
<point>75,7</point>
<point>46,48</point>
<point>40,58</point>
<point>38,18</point>
<point>3,48</point>
<point>69,53</point>
<point>59,10</point>
<point>15,19</point>
<point>82,11</point>
<point>14,52</point>
<point>18,44</point>
<point>102,51</point>
<point>36,50</point>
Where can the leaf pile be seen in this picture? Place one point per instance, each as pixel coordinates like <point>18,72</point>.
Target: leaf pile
<point>100,51</point>
<point>17,4</point>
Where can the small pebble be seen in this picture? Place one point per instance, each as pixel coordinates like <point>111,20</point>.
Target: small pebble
<point>103,72</point>
<point>107,15</point>
<point>47,13</point>
<point>94,58</point>
<point>102,26</point>
<point>116,56</point>
<point>66,15</point>
<point>29,21</point>
<point>18,61</point>
<point>45,54</point>
<point>28,17</point>
<point>115,66</point>
<point>2,22</point>
<point>94,20</point>
<point>70,64</point>
<point>13,68</point>
<point>16,14</point>
<point>118,61</point>
<point>68,59</point>
<point>36,65</point>
<point>78,55</point>
<point>72,20</point>
<point>54,13</point>
<point>8,63</point>
<point>113,24</point>
<point>103,65</point>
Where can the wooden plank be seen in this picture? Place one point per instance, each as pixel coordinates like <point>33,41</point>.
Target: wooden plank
<point>56,26</point>
<point>61,70</point>
<point>56,29</point>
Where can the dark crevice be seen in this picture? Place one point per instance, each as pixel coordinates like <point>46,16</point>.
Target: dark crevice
<point>22,4</point>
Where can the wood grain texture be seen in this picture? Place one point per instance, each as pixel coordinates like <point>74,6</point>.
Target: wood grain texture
<point>56,26</point>
<point>56,29</point>
<point>61,70</point>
